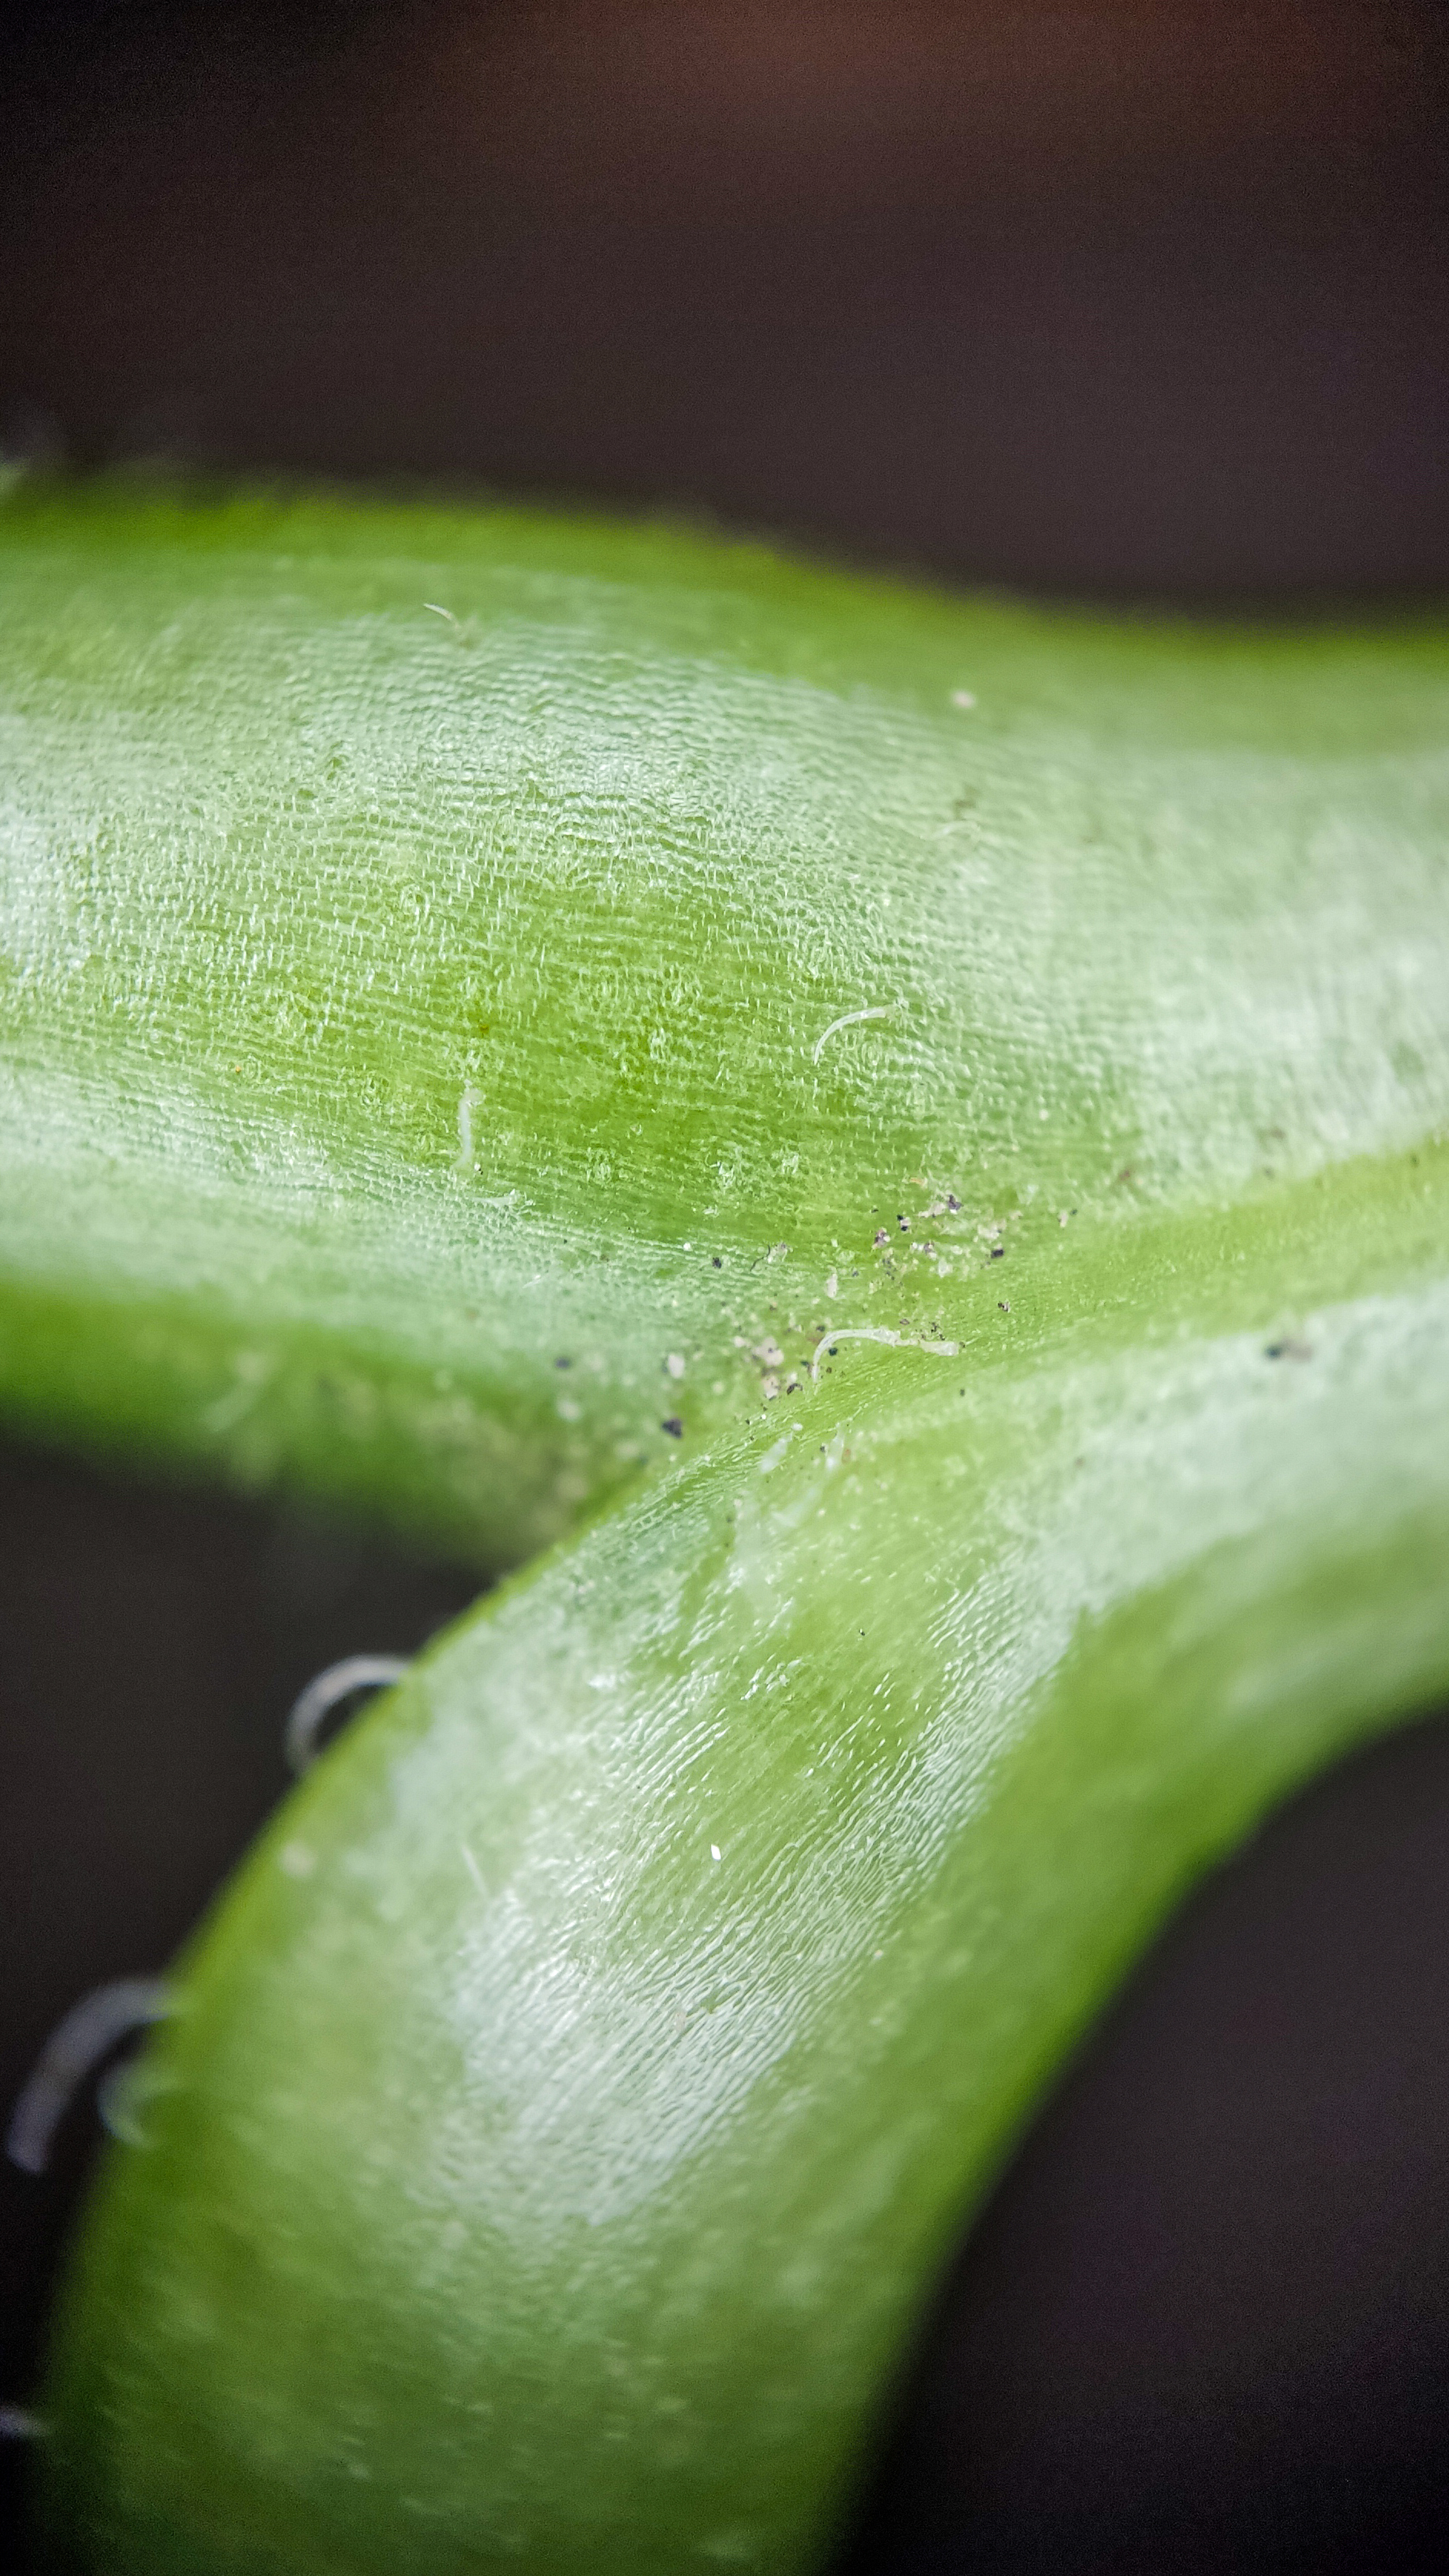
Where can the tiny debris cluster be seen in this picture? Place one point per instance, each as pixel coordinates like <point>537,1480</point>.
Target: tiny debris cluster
<point>785,1356</point>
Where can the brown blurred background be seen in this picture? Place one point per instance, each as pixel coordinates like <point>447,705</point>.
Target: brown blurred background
<point>1122,299</point>
<point>1111,295</point>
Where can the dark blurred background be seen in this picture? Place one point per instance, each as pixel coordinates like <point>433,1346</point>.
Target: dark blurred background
<point>1125,299</point>
<point>1114,296</point>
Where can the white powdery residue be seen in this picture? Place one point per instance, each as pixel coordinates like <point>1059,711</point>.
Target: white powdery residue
<point>882,1333</point>
<point>850,1020</point>
<point>467,1151</point>
<point>832,1284</point>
